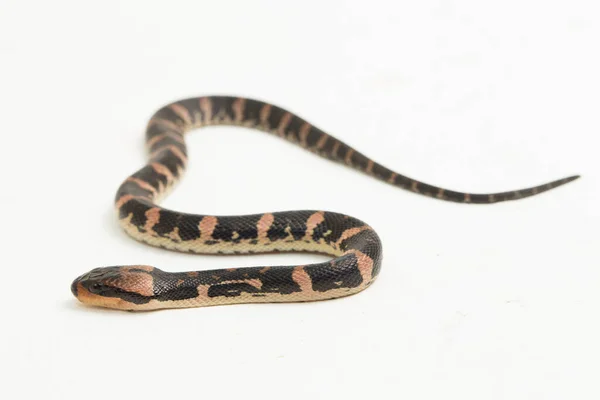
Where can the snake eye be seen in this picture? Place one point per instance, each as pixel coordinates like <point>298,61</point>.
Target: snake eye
<point>96,287</point>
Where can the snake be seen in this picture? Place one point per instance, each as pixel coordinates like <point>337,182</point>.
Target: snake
<point>354,247</point>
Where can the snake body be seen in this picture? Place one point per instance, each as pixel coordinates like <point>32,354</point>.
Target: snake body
<point>354,245</point>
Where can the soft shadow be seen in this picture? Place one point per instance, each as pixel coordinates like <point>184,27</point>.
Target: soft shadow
<point>77,306</point>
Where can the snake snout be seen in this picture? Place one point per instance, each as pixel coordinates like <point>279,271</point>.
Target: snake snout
<point>74,286</point>
<point>96,281</point>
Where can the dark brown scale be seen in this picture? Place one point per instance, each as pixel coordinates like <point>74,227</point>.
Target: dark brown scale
<point>133,188</point>
<point>165,113</point>
<point>313,137</point>
<point>166,142</point>
<point>293,128</point>
<point>358,246</point>
<point>223,107</point>
<point>252,110</point>
<point>148,175</point>
<point>158,129</point>
<point>293,222</point>
<point>245,227</point>
<point>167,158</point>
<point>193,106</point>
<point>136,209</point>
<point>189,227</point>
<point>275,116</point>
<point>360,161</point>
<point>167,223</point>
<point>341,272</point>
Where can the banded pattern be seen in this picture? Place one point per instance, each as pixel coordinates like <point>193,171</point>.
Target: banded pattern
<point>356,248</point>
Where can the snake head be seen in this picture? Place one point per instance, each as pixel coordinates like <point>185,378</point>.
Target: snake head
<point>122,287</point>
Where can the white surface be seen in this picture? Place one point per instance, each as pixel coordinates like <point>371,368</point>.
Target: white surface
<point>473,302</point>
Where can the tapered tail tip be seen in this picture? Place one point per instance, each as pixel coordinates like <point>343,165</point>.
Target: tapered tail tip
<point>560,182</point>
<point>570,179</point>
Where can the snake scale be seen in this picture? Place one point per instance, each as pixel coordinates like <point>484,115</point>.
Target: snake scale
<point>354,245</point>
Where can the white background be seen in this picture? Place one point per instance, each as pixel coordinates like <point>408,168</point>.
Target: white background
<point>473,302</point>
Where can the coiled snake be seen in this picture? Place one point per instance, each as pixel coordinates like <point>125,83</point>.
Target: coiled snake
<point>354,244</point>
